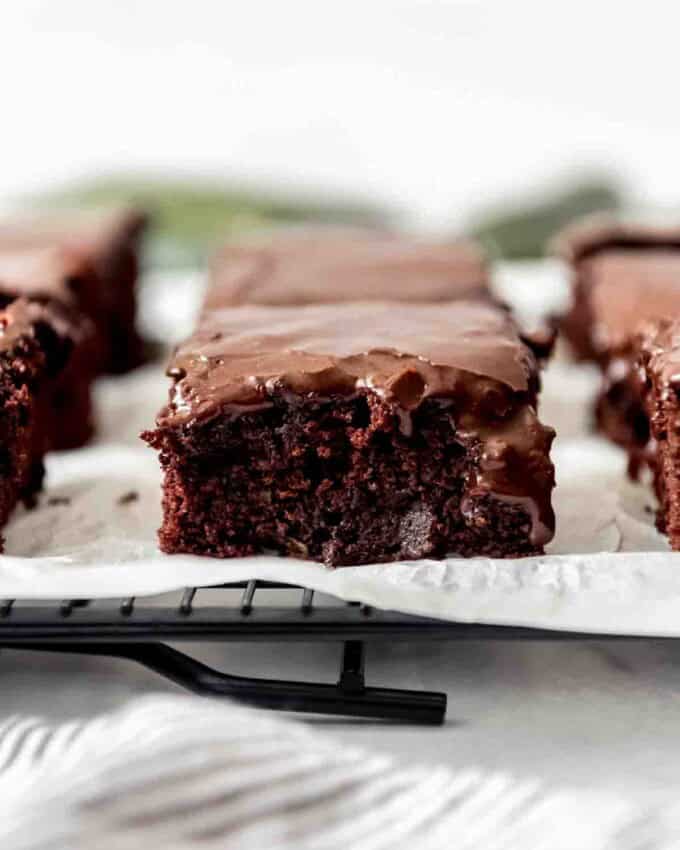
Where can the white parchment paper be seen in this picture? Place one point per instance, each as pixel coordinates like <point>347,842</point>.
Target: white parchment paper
<point>607,570</point>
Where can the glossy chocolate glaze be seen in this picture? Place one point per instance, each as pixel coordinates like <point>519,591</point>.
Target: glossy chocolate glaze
<point>324,265</point>
<point>405,352</point>
<point>468,356</point>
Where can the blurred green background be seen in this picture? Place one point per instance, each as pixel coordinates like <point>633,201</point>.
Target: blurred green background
<point>190,217</point>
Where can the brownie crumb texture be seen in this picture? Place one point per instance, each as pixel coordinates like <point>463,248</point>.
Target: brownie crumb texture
<point>339,482</point>
<point>659,366</point>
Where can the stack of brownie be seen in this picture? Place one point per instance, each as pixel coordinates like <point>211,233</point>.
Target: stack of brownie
<point>67,304</point>
<point>626,291</point>
<point>104,244</point>
<point>354,398</point>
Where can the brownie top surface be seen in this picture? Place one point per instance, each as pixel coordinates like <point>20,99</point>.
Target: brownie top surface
<point>405,352</point>
<point>329,265</point>
<point>604,231</point>
<point>630,287</point>
<point>40,272</point>
<point>88,232</point>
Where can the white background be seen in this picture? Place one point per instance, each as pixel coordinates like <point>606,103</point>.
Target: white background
<point>433,106</point>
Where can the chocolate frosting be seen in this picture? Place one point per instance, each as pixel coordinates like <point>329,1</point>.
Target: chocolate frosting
<point>466,355</point>
<point>324,265</point>
<point>409,352</point>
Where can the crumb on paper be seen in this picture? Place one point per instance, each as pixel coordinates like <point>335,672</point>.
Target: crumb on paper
<point>58,500</point>
<point>128,498</point>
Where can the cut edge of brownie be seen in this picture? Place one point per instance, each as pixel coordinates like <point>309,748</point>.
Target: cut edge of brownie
<point>38,343</point>
<point>68,390</point>
<point>620,412</point>
<point>340,480</point>
<point>32,351</point>
<point>658,365</point>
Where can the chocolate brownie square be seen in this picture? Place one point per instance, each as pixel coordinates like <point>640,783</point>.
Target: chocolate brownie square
<point>35,347</point>
<point>324,265</point>
<point>107,242</point>
<point>624,273</point>
<point>355,433</point>
<point>49,275</point>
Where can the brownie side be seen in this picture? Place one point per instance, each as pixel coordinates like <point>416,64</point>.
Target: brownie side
<point>117,267</point>
<point>22,430</point>
<point>46,348</point>
<point>70,377</point>
<point>620,412</point>
<point>21,468</point>
<point>341,481</point>
<point>659,365</point>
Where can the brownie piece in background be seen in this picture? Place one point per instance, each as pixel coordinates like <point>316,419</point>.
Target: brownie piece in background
<point>107,242</point>
<point>355,433</point>
<point>48,275</point>
<point>35,347</point>
<point>324,265</point>
<point>658,368</point>
<point>624,273</point>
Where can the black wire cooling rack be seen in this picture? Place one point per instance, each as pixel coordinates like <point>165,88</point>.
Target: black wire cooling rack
<point>139,631</point>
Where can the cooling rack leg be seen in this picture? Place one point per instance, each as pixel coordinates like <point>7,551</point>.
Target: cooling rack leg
<point>352,670</point>
<point>350,697</point>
